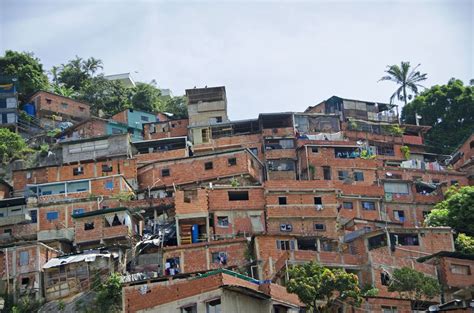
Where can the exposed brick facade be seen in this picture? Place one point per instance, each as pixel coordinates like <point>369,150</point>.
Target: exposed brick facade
<point>48,104</point>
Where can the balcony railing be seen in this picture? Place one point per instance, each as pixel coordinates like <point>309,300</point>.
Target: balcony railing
<point>15,219</point>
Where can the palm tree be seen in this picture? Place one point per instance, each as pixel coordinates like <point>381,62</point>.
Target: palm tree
<point>405,78</point>
<point>92,65</point>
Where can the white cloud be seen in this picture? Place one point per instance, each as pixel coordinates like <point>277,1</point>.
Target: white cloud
<point>271,56</point>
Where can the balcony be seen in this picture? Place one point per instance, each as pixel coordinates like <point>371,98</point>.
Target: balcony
<point>15,219</point>
<point>6,238</point>
<point>413,140</point>
<point>280,154</point>
<point>56,234</point>
<point>119,231</point>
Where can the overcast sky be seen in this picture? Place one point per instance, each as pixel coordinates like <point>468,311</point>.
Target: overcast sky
<point>271,56</point>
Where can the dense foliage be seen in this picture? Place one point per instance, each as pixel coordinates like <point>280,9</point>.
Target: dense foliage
<point>464,244</point>
<point>321,288</point>
<point>456,211</point>
<point>12,146</point>
<point>449,110</point>
<point>82,79</point>
<point>27,69</point>
<point>414,285</point>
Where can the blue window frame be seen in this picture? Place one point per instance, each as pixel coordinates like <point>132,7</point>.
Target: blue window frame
<point>109,184</point>
<point>51,216</point>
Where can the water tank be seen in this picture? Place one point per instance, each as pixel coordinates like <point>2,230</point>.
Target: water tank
<point>195,233</point>
<point>30,109</point>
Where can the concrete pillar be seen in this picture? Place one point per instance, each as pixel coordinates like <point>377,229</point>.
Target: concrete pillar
<point>178,235</point>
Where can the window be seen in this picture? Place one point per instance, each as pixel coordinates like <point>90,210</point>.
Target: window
<point>389,309</point>
<point>116,131</point>
<point>454,182</point>
<point>238,195</point>
<point>64,105</point>
<point>205,135</point>
<point>327,173</point>
<point>88,225</point>
<point>348,205</point>
<point>385,278</point>
<point>78,171</point>
<point>318,201</point>
<point>307,243</point>
<point>397,188</point>
<point>281,165</point>
<point>254,151</point>
<point>276,144</point>
<point>346,153</point>
<point>377,241</point>
<point>232,161</point>
<point>51,216</point>
<point>8,231</point>
<point>213,306</point>
<point>48,101</point>
<point>189,309</point>
<point>286,227</point>
<point>25,281</point>
<point>24,258</point>
<point>82,109</point>
<point>144,118</point>
<point>359,176</point>
<point>28,175</point>
<point>208,166</point>
<point>219,257</point>
<point>78,211</point>
<point>285,244</point>
<point>343,175</point>
<point>319,227</point>
<point>34,216</point>
<point>425,214</point>
<point>106,168</point>
<point>460,269</point>
<point>282,200</point>
<point>314,149</point>
<point>165,172</point>
<point>399,215</point>
<point>223,221</point>
<point>386,150</point>
<point>109,184</point>
<point>404,239</point>
<point>368,205</point>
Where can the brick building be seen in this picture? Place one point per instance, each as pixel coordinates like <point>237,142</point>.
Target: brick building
<point>334,184</point>
<point>52,109</point>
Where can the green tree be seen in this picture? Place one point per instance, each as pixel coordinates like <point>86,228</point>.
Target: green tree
<point>449,110</point>
<point>464,244</point>
<point>109,295</point>
<point>409,80</point>
<point>321,288</point>
<point>177,106</point>
<point>456,211</point>
<point>413,285</point>
<point>27,68</point>
<point>147,97</point>
<point>12,146</point>
<point>62,90</point>
<point>76,73</point>
<point>107,96</point>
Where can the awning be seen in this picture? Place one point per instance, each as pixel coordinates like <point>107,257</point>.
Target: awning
<point>74,259</point>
